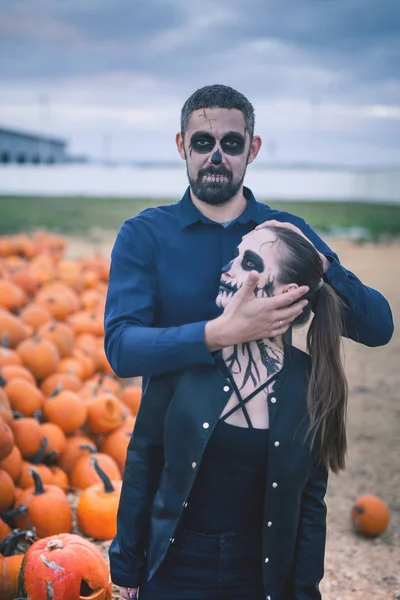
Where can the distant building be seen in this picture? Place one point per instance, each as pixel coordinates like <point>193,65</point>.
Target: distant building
<point>23,147</point>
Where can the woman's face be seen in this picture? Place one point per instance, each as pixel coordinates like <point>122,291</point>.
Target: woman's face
<point>257,252</point>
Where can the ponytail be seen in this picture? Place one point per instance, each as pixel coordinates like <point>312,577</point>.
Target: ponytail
<point>327,389</point>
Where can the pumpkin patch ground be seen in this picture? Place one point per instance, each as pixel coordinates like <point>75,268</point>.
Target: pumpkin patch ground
<point>356,567</point>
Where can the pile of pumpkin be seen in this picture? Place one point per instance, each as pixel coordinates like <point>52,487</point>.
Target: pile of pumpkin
<point>65,421</point>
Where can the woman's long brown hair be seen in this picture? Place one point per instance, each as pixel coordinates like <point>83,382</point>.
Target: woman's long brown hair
<point>300,263</point>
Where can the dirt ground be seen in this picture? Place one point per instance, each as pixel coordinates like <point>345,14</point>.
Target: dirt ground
<point>356,568</point>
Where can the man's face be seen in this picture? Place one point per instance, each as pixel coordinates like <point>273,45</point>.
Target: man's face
<point>256,252</point>
<point>217,148</point>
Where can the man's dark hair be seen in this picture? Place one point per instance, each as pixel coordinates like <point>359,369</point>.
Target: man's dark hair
<point>218,96</point>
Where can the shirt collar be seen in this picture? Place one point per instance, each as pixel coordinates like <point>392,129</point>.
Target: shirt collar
<point>189,213</point>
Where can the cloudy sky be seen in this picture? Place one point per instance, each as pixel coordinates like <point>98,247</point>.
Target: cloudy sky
<point>111,75</point>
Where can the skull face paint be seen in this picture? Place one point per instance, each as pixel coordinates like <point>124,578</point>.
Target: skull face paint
<point>257,252</point>
<point>217,149</point>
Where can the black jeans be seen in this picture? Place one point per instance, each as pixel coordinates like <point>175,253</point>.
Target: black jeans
<point>209,567</point>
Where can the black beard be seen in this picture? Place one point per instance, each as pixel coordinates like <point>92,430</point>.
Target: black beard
<point>214,193</point>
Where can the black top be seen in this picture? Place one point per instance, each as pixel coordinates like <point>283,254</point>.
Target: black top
<point>228,493</point>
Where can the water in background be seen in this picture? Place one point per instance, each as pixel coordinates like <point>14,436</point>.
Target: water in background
<point>170,182</point>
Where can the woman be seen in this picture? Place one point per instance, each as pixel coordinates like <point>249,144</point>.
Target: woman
<point>226,472</point>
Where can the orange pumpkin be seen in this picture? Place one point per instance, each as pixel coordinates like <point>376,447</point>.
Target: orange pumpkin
<point>79,570</point>
<point>35,315</point>
<point>5,407</point>
<point>10,563</point>
<point>12,464</point>
<point>116,444</point>
<point>104,414</point>
<point>74,449</point>
<point>12,331</point>
<point>59,478</point>
<point>9,372</point>
<point>40,356</point>
<point>7,491</point>
<point>5,530</point>
<point>11,295</point>
<point>370,515</point>
<point>27,435</point>
<point>66,409</point>
<point>60,381</point>
<point>83,475</point>
<point>56,440</point>
<point>25,479</point>
<point>98,505</point>
<point>6,439</point>
<point>131,395</point>
<point>24,396</point>
<point>61,335</point>
<point>49,511</point>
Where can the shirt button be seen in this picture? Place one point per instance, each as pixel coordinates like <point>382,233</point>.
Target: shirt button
<point>269,523</point>
<point>193,465</point>
<point>268,597</point>
<point>274,484</point>
<point>273,400</point>
<point>266,560</point>
<point>172,540</point>
<point>226,388</point>
<point>276,443</point>
<point>206,425</point>
<point>184,504</point>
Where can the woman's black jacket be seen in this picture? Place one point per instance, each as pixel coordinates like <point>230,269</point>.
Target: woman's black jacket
<point>177,416</point>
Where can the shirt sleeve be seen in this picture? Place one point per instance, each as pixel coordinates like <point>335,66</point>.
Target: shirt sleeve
<point>134,347</point>
<point>143,468</point>
<point>311,537</point>
<point>368,318</point>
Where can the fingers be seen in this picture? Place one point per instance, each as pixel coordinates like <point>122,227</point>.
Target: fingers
<point>289,298</point>
<point>247,289</point>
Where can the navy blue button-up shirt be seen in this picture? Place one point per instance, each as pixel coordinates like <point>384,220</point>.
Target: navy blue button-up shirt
<point>165,271</point>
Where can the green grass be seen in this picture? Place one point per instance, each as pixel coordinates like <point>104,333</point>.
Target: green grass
<point>76,215</point>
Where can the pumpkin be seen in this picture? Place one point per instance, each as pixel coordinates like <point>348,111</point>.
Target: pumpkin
<point>59,478</point>
<point>83,475</point>
<point>131,395</point>
<point>5,407</point>
<point>56,440</point>
<point>98,505</point>
<point>49,511</point>
<point>9,372</point>
<point>6,439</point>
<point>25,479</point>
<point>11,295</point>
<point>116,445</point>
<point>35,315</point>
<point>22,276</point>
<point>5,530</point>
<point>27,435</point>
<point>104,414</point>
<point>59,381</point>
<point>61,335</point>
<point>66,409</point>
<point>75,448</point>
<point>72,366</point>
<point>10,563</point>
<point>12,463</point>
<point>64,567</point>
<point>86,361</point>
<point>12,331</point>
<point>370,515</point>
<point>87,322</point>
<point>24,396</point>
<point>7,491</point>
<point>40,356</point>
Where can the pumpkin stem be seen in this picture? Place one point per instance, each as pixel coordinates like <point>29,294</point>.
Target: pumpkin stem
<point>108,486</point>
<point>50,458</point>
<point>92,449</point>
<point>55,544</point>
<point>17,415</point>
<point>8,516</point>
<point>5,339</point>
<point>9,544</point>
<point>3,382</point>
<point>39,489</point>
<point>37,414</point>
<point>40,454</point>
<point>57,390</point>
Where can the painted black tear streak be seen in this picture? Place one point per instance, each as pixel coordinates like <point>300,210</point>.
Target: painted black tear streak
<point>50,590</point>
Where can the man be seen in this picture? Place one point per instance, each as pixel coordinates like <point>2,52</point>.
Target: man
<point>166,263</point>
